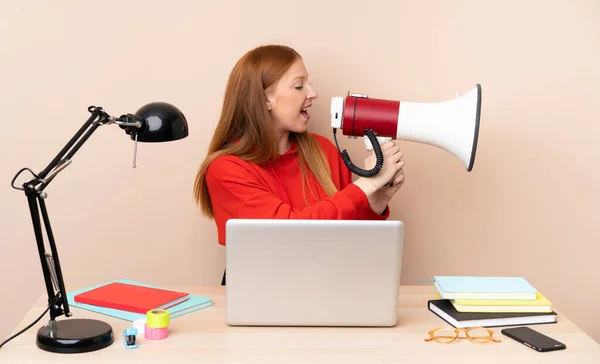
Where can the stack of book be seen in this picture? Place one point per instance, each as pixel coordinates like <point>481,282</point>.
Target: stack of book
<point>129,300</point>
<point>489,302</point>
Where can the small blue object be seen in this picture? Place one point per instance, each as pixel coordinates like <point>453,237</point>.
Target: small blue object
<point>129,337</point>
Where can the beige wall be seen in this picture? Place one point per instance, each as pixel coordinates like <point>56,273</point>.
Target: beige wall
<point>529,208</point>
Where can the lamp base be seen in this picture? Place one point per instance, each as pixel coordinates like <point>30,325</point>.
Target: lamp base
<point>75,336</point>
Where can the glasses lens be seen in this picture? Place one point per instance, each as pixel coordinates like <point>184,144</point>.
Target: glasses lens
<point>479,335</point>
<point>444,335</point>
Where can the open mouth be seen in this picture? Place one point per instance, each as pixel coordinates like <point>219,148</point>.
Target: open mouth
<point>304,112</point>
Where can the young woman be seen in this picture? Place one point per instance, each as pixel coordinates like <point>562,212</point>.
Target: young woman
<point>263,163</point>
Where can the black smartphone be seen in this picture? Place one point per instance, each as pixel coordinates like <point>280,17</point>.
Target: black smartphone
<point>533,339</point>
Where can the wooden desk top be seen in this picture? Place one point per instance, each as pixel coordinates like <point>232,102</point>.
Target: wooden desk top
<point>204,337</point>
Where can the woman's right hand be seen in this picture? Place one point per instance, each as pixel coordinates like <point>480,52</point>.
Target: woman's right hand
<point>392,163</point>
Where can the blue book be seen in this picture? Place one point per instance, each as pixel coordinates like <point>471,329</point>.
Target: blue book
<point>484,288</point>
<point>194,303</point>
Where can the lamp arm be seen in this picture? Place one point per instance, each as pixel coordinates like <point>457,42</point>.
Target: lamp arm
<point>51,268</point>
<point>53,279</point>
<point>96,112</point>
<point>66,161</point>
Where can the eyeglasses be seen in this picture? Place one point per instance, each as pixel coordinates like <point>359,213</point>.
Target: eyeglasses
<point>447,335</point>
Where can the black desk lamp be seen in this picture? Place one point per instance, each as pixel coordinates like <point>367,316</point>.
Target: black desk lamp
<point>154,122</point>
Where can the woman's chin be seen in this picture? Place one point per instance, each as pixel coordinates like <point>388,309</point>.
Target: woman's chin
<point>301,127</point>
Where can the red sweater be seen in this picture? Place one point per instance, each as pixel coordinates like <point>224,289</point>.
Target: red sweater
<point>239,189</point>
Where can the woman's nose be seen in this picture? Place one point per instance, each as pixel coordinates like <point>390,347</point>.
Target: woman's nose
<point>312,93</point>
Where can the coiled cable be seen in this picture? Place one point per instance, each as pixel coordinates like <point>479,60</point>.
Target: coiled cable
<point>357,170</point>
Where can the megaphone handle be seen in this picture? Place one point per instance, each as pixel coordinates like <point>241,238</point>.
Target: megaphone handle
<point>380,140</point>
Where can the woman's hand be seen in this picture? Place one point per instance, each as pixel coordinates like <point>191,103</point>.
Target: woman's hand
<point>385,183</point>
<point>392,163</point>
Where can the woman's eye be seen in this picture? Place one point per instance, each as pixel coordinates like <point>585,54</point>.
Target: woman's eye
<point>299,87</point>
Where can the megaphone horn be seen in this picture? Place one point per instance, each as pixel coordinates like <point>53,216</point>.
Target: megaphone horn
<point>451,125</point>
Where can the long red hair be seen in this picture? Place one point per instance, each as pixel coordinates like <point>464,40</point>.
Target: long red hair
<point>245,128</point>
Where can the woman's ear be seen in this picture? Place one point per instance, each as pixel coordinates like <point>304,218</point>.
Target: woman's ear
<point>268,102</point>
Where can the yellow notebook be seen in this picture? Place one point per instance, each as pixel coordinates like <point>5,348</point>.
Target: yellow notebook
<point>540,304</point>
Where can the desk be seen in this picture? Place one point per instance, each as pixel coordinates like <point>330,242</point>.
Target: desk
<point>204,337</point>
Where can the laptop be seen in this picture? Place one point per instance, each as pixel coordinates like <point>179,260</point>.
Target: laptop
<point>313,272</point>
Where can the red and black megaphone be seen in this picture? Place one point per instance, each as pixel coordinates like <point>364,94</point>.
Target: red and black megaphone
<point>451,125</point>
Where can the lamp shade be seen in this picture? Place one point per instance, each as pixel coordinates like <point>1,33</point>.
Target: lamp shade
<point>161,122</point>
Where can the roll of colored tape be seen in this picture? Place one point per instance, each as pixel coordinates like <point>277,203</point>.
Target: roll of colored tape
<point>157,319</point>
<point>152,333</point>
